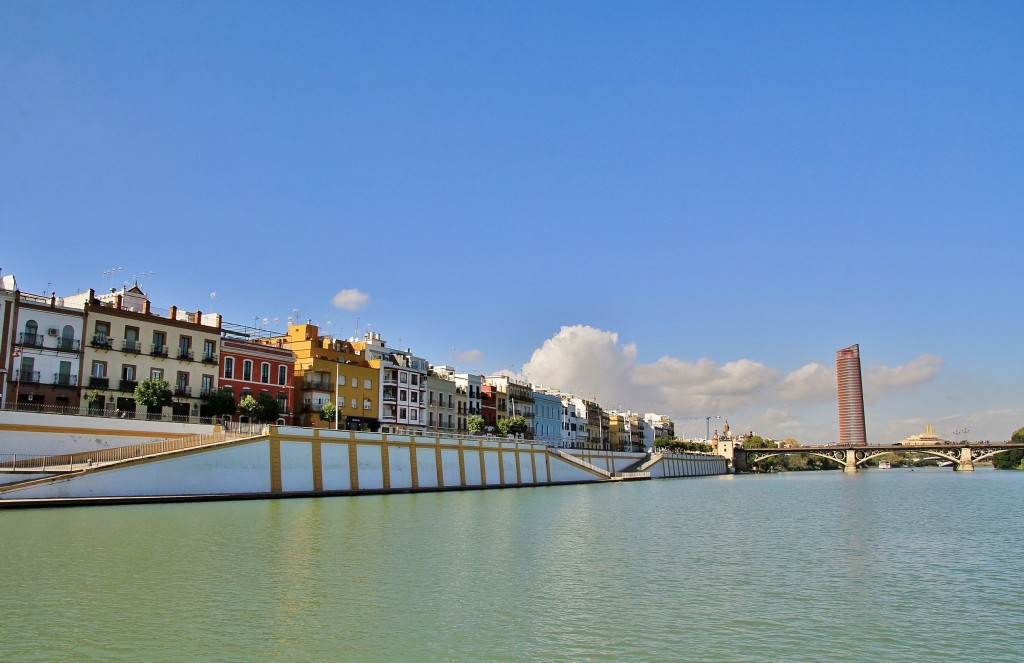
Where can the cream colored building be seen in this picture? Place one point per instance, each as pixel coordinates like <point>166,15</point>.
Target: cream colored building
<point>125,342</point>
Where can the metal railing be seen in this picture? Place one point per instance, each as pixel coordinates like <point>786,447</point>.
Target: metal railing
<point>109,411</point>
<point>84,460</point>
<point>30,340</point>
<point>65,380</point>
<point>69,344</point>
<point>26,377</point>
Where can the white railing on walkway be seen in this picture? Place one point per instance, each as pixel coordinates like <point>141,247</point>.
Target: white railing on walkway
<point>83,460</point>
<point>582,463</point>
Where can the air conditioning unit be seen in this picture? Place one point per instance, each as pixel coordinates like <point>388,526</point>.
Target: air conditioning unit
<point>52,331</point>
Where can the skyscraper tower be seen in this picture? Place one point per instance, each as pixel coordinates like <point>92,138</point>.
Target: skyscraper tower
<point>851,397</point>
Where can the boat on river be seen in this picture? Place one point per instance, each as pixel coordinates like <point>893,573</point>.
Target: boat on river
<point>884,465</point>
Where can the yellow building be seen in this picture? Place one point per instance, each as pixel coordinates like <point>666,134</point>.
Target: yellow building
<point>328,369</point>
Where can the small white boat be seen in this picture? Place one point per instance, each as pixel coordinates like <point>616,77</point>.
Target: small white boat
<point>884,465</point>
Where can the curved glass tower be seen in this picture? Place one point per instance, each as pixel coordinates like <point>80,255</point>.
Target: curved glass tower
<point>851,397</point>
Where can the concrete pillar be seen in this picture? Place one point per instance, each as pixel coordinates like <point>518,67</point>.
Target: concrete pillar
<point>851,461</point>
<point>966,463</point>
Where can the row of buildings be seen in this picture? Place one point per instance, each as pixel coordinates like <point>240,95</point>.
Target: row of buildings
<point>88,352</point>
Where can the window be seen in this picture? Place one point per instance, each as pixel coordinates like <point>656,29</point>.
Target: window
<point>403,378</point>
<point>159,342</point>
<point>282,403</point>
<point>403,395</point>
<point>128,373</point>
<point>366,403</point>
<point>102,328</point>
<point>265,372</point>
<point>185,347</point>
<point>415,379</point>
<point>247,370</point>
<point>414,397</point>
<point>156,373</point>
<point>354,382</point>
<point>415,415</point>
<point>99,369</point>
<point>209,348</point>
<point>31,328</point>
<point>353,403</point>
<point>401,413</point>
<point>366,384</point>
<point>282,374</point>
<point>207,384</point>
<point>229,367</point>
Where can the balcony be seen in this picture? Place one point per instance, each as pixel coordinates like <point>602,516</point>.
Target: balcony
<point>30,340</point>
<point>129,385</point>
<point>210,358</point>
<point>64,380</point>
<point>96,382</point>
<point>205,391</point>
<point>131,346</point>
<point>186,354</point>
<point>27,377</point>
<point>69,345</point>
<point>182,390</point>
<point>102,341</point>
<point>317,385</point>
<point>158,350</point>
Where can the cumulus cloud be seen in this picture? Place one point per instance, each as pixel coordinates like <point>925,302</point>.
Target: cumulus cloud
<point>592,362</point>
<point>880,380</point>
<point>351,299</point>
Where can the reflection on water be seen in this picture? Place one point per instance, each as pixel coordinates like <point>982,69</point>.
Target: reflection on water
<point>894,565</point>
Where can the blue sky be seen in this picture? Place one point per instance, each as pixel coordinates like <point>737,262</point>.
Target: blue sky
<point>678,207</point>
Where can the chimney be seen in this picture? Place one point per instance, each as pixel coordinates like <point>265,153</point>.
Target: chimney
<point>173,312</point>
<point>197,317</point>
<point>145,306</point>
<point>117,301</point>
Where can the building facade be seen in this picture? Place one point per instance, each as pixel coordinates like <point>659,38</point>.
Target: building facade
<point>852,429</point>
<point>251,368</point>
<point>46,353</point>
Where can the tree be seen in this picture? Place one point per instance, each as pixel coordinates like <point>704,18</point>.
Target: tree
<point>327,412</point>
<point>758,442</point>
<point>154,394</point>
<point>475,424</point>
<point>219,403</point>
<point>269,408</point>
<point>1011,460</point>
<point>513,425</point>
<point>250,408</point>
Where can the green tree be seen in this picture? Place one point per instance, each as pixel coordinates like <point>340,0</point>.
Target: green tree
<point>250,408</point>
<point>475,424</point>
<point>1011,460</point>
<point>758,442</point>
<point>219,403</point>
<point>154,394</point>
<point>327,412</point>
<point>269,408</point>
<point>513,425</point>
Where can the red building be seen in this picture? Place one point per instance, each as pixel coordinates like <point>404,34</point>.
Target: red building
<point>251,368</point>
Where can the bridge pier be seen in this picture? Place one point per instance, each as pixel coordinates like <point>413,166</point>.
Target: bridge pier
<point>966,463</point>
<point>850,465</point>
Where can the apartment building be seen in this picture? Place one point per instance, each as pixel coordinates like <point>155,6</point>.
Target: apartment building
<point>252,367</point>
<point>330,370</point>
<point>403,384</point>
<point>45,354</point>
<point>126,341</point>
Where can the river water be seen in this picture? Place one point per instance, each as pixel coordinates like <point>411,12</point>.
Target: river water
<point>894,565</point>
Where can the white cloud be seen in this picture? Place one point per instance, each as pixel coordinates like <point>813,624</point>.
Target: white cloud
<point>469,357</point>
<point>881,380</point>
<point>351,299</point>
<point>754,396</point>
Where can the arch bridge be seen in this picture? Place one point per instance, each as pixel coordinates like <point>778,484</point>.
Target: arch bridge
<point>962,455</point>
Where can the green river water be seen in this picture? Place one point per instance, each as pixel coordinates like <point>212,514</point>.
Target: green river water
<point>894,565</point>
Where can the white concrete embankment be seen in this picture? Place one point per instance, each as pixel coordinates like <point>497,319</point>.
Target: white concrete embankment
<point>303,461</point>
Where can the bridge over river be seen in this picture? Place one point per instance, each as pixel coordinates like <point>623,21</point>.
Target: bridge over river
<point>963,455</point>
